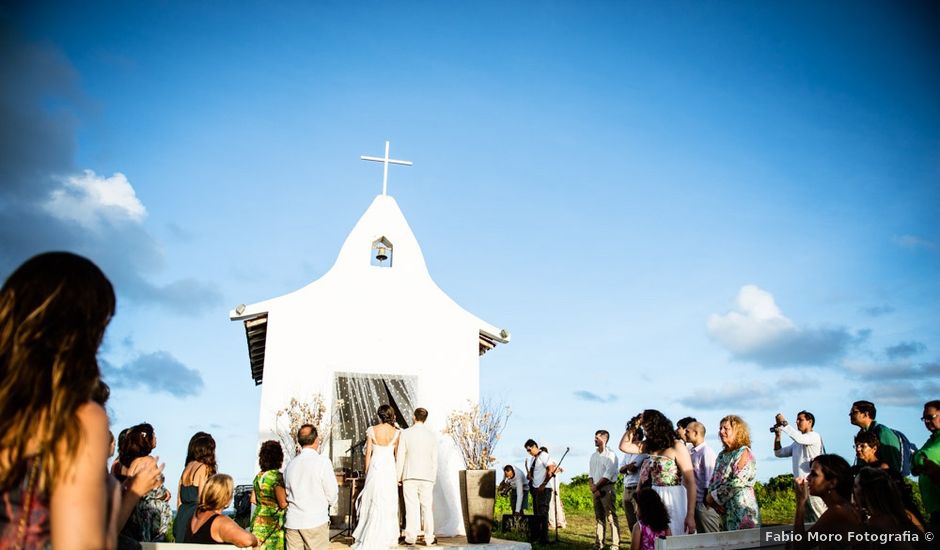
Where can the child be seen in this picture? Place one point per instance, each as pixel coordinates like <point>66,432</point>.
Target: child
<point>652,520</point>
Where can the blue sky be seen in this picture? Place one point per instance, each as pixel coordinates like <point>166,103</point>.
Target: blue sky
<point>699,207</point>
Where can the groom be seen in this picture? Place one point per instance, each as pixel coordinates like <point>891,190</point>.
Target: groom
<point>417,471</point>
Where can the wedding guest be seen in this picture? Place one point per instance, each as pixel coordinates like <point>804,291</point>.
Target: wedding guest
<point>866,452</point>
<point>926,465</point>
<point>807,445</point>
<point>703,457</point>
<point>879,502</point>
<point>209,525</point>
<point>603,473</point>
<point>311,490</point>
<point>269,497</point>
<point>731,489</point>
<point>681,426</point>
<point>150,519</point>
<point>862,414</point>
<point>668,468</point>
<point>53,465</point>
<point>829,478</point>
<point>652,521</point>
<point>121,447</point>
<point>200,466</point>
<point>630,468</point>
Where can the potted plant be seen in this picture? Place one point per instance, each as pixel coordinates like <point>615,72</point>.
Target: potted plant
<point>475,431</point>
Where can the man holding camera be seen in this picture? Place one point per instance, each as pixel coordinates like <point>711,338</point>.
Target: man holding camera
<point>806,446</point>
<point>516,486</point>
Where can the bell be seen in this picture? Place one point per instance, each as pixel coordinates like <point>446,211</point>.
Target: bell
<point>381,255</point>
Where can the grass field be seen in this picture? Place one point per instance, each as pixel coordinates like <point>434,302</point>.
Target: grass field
<point>775,498</point>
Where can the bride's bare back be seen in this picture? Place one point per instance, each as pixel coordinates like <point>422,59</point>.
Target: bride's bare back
<point>383,434</point>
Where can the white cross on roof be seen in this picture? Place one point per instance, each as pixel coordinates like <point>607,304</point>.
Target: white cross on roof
<point>386,161</point>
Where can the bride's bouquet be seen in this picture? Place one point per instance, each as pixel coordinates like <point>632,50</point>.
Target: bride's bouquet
<point>475,431</point>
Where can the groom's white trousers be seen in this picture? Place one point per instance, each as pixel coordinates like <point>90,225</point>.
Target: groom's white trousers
<point>419,503</point>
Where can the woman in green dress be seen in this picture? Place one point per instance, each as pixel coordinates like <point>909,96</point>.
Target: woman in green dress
<point>269,497</point>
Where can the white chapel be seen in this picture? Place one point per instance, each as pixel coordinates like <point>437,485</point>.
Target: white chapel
<point>373,329</point>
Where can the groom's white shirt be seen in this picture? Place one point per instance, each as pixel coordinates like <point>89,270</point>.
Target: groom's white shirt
<point>417,453</point>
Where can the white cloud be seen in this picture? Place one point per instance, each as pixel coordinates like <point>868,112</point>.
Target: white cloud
<point>89,200</point>
<point>758,331</point>
<point>756,322</point>
<point>754,395</point>
<point>893,370</point>
<point>899,393</point>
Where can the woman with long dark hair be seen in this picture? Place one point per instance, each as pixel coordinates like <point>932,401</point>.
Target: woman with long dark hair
<point>200,466</point>
<point>668,470</point>
<point>829,478</point>
<point>378,502</point>
<point>53,437</point>
<point>881,504</point>
<point>150,520</point>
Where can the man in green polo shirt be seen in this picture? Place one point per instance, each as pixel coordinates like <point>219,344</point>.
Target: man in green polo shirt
<point>862,415</point>
<point>926,464</point>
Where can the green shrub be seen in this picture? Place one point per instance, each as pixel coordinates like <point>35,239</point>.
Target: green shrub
<point>776,500</point>
<point>502,507</point>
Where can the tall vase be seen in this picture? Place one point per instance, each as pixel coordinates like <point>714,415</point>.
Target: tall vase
<point>478,500</point>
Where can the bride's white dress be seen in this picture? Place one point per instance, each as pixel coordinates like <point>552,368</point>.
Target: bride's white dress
<point>378,526</point>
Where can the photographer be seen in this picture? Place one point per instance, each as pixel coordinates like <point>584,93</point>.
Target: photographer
<point>806,446</point>
<point>516,486</point>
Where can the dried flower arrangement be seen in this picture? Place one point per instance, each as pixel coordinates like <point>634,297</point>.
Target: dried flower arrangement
<point>476,430</point>
<point>297,413</point>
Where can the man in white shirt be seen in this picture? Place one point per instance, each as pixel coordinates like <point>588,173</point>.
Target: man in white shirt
<point>630,468</point>
<point>311,490</point>
<point>603,473</point>
<point>514,478</point>
<point>703,457</point>
<point>806,446</point>
<point>541,469</point>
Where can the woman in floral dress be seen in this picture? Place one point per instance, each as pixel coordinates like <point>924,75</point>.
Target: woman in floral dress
<point>731,489</point>
<point>150,520</point>
<point>269,498</point>
<point>668,470</point>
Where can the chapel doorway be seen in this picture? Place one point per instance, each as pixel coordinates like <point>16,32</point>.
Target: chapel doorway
<point>356,397</point>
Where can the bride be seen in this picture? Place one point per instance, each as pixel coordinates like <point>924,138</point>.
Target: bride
<point>378,502</point>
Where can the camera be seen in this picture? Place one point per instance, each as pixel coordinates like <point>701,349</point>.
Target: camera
<point>773,429</point>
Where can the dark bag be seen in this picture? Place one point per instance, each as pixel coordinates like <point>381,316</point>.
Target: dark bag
<point>907,449</point>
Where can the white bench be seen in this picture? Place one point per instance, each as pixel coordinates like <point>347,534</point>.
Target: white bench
<point>764,538</point>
